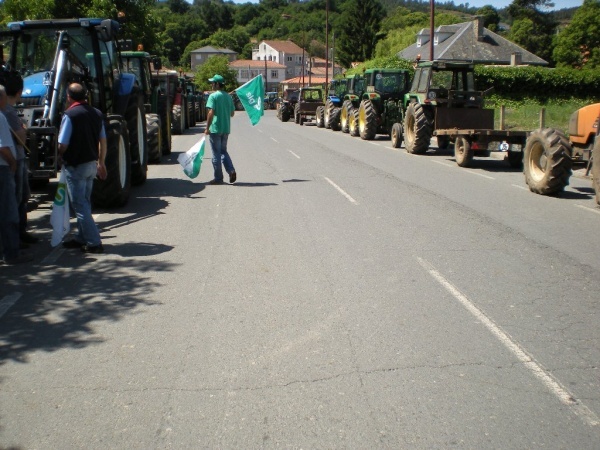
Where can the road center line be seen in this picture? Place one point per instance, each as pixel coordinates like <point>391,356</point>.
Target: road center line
<point>520,187</point>
<point>341,191</point>
<point>467,171</point>
<point>294,154</point>
<point>587,208</point>
<point>563,395</point>
<point>275,140</point>
<point>8,301</point>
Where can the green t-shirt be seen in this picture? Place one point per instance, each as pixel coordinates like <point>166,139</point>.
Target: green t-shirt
<point>222,105</point>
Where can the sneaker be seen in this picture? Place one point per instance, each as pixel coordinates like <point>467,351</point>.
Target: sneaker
<point>72,243</point>
<point>92,248</point>
<point>215,182</point>
<point>29,238</point>
<point>232,177</point>
<point>22,258</point>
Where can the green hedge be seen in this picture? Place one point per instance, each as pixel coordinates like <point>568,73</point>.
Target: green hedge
<point>519,83</point>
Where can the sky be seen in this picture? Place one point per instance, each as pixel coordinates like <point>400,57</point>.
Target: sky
<point>558,4</point>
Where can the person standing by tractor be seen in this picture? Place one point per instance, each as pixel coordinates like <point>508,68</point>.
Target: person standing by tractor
<point>218,126</point>
<point>14,88</point>
<point>9,216</point>
<point>82,145</point>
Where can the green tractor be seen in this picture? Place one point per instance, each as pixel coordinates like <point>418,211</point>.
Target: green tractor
<point>381,110</point>
<point>140,63</point>
<point>355,87</point>
<point>333,103</point>
<point>167,82</point>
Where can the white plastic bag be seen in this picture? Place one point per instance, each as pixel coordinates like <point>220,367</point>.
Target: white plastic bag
<point>192,159</point>
<point>60,216</point>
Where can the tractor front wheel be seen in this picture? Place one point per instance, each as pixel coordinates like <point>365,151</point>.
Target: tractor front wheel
<point>417,129</point>
<point>396,135</point>
<point>367,120</point>
<point>319,117</point>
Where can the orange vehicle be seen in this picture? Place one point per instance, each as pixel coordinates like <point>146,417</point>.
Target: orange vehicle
<point>583,126</point>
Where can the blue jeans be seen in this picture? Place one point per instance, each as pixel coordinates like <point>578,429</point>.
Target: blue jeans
<point>218,144</point>
<point>80,180</point>
<point>9,215</point>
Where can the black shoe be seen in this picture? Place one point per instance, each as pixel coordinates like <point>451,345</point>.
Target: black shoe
<point>232,177</point>
<point>215,182</point>
<point>72,244</point>
<point>29,238</point>
<point>92,248</point>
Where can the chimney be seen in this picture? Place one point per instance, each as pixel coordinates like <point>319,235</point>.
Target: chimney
<point>516,59</point>
<point>478,28</point>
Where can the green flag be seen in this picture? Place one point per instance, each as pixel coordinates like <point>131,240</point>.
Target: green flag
<point>251,96</point>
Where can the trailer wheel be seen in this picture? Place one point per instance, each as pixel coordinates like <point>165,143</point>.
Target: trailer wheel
<point>114,191</point>
<point>138,140</point>
<point>334,119</point>
<point>154,131</point>
<point>345,116</point>
<point>596,168</point>
<point>417,129</point>
<point>319,117</point>
<point>367,120</point>
<point>353,125</point>
<point>547,161</point>
<point>463,152</point>
<point>396,135</point>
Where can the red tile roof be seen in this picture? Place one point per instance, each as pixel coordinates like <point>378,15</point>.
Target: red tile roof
<point>284,46</point>
<point>253,64</point>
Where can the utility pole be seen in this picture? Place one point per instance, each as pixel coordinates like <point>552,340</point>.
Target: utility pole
<point>327,46</point>
<point>431,27</point>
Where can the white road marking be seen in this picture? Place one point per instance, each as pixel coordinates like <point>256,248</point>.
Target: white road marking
<point>375,143</point>
<point>275,140</point>
<point>553,385</point>
<point>8,301</point>
<point>588,208</point>
<point>294,154</point>
<point>259,130</point>
<point>520,187</point>
<point>341,191</point>
<point>467,171</point>
<point>54,255</point>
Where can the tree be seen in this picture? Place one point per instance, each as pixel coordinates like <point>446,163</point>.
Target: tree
<point>578,45</point>
<point>359,25</point>
<point>214,65</point>
<point>532,28</point>
<point>490,16</point>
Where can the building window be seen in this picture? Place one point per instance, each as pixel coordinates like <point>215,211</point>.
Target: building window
<point>289,58</point>
<point>299,59</point>
<point>274,74</point>
<point>243,74</point>
<point>198,57</point>
<point>270,58</point>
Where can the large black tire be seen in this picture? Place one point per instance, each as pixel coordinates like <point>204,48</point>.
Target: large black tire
<point>329,106</point>
<point>138,139</point>
<point>345,113</point>
<point>367,120</point>
<point>463,153</point>
<point>178,122</point>
<point>547,161</point>
<point>319,117</point>
<point>353,125</point>
<point>334,119</point>
<point>114,191</point>
<point>396,135</point>
<point>154,130</point>
<point>297,114</point>
<point>285,115</point>
<point>596,168</point>
<point>417,129</point>
<point>187,107</point>
<point>164,112</point>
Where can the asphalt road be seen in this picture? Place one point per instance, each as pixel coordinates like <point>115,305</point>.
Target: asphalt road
<point>341,294</point>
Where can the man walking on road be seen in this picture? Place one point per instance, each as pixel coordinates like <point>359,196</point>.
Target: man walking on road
<point>218,126</point>
<point>82,145</point>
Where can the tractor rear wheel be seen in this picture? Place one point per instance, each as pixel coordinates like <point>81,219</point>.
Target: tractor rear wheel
<point>178,122</point>
<point>396,135</point>
<point>367,120</point>
<point>164,112</point>
<point>417,129</point>
<point>114,190</point>
<point>138,140</point>
<point>345,116</point>
<point>547,161</point>
<point>596,168</point>
<point>319,117</point>
<point>285,114</point>
<point>154,131</point>
<point>463,154</point>
<point>329,106</point>
<point>353,125</point>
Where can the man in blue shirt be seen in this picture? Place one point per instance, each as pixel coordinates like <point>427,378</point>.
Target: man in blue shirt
<point>82,145</point>
<point>218,126</point>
